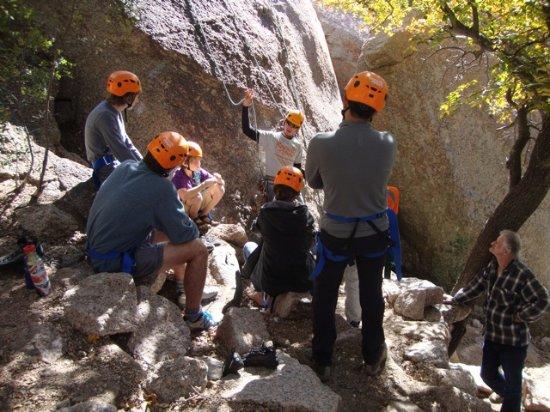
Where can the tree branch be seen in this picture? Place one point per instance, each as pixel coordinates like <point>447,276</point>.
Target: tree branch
<point>460,28</point>
<point>513,163</point>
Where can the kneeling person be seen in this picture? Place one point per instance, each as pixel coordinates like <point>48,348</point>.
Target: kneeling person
<point>199,190</point>
<point>282,262</point>
<point>135,209</point>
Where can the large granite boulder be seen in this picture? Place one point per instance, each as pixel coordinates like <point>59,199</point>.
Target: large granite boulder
<point>439,160</point>
<point>242,329</point>
<point>102,304</point>
<point>292,386</point>
<point>161,333</point>
<point>184,52</point>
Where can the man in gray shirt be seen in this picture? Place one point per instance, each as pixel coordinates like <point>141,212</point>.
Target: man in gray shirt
<point>138,225</point>
<point>107,143</point>
<point>352,165</point>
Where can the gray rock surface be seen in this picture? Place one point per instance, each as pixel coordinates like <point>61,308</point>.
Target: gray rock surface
<point>537,397</point>
<point>102,304</point>
<point>292,386</point>
<point>231,233</point>
<point>428,352</point>
<point>160,333</point>
<point>176,378</point>
<point>410,304</point>
<point>46,342</point>
<point>222,264</point>
<point>90,406</point>
<point>241,329</point>
<point>398,406</point>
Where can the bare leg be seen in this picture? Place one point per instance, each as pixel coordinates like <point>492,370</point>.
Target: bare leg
<point>211,197</point>
<point>195,255</point>
<point>192,203</point>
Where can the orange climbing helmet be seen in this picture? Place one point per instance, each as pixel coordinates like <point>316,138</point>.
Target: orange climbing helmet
<point>194,149</point>
<point>393,198</point>
<point>121,82</point>
<point>290,176</point>
<point>367,88</point>
<point>168,149</point>
<point>295,118</point>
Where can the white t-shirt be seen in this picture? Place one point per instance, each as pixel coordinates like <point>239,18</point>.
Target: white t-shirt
<point>277,151</point>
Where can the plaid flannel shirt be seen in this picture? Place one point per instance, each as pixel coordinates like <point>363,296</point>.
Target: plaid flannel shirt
<point>515,292</point>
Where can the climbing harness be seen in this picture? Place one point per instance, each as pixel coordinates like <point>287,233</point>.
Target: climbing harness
<point>393,242</point>
<point>97,165</point>
<point>128,260</point>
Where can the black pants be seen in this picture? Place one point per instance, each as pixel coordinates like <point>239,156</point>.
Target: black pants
<point>512,359</point>
<point>325,296</point>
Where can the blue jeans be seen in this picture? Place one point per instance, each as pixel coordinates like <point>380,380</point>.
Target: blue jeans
<point>512,359</point>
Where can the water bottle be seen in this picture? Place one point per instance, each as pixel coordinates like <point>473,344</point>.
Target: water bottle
<point>28,280</point>
<point>37,271</point>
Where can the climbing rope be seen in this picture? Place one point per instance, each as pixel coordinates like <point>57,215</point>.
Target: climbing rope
<point>210,56</point>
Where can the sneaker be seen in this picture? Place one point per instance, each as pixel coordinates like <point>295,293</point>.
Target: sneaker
<point>233,363</point>
<point>375,368</point>
<point>261,357</point>
<point>323,372</point>
<point>203,322</point>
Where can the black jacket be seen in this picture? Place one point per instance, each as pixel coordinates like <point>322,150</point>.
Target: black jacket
<point>283,256</point>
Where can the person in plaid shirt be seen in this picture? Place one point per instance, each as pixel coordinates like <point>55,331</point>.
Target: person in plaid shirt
<point>513,297</point>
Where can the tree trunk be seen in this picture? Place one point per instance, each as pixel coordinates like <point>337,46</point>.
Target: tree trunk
<point>516,207</point>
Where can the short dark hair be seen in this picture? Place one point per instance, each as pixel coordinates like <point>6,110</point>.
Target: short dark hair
<point>154,166</point>
<point>127,98</point>
<point>285,193</point>
<point>361,110</point>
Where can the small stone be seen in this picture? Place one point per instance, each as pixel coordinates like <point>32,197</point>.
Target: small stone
<point>241,329</point>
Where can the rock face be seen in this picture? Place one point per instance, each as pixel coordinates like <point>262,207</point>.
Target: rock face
<point>183,51</point>
<point>292,386</point>
<point>102,304</point>
<point>160,334</point>
<point>176,378</point>
<point>439,161</point>
<point>345,36</point>
<point>231,233</point>
<point>50,218</point>
<point>241,329</point>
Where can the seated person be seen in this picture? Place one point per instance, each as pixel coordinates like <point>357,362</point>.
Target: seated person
<point>199,190</point>
<point>282,262</point>
<point>159,235</point>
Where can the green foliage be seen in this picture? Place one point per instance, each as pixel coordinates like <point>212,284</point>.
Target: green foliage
<point>514,32</point>
<point>28,59</point>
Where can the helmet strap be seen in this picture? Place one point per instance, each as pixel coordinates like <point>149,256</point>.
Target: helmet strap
<point>344,110</point>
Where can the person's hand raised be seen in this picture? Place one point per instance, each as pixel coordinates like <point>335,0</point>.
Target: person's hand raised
<point>248,97</point>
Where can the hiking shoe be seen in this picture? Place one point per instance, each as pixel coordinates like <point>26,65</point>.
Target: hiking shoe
<point>355,323</point>
<point>261,357</point>
<point>203,322</point>
<point>375,368</point>
<point>323,372</point>
<point>232,364</point>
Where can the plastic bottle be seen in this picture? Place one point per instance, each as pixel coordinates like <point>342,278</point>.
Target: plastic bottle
<point>35,266</point>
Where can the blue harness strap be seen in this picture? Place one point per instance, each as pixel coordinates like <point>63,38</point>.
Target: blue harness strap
<point>324,253</point>
<point>97,165</point>
<point>127,258</point>
<point>395,248</point>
